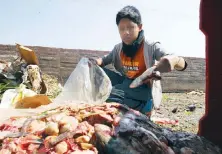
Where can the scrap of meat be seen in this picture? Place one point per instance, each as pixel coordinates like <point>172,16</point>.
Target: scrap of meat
<point>10,128</point>
<point>92,129</point>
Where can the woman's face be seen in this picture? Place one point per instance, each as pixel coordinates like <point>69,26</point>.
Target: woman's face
<point>128,30</point>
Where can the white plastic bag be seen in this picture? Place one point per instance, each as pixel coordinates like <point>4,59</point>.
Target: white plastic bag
<point>12,96</point>
<point>88,83</point>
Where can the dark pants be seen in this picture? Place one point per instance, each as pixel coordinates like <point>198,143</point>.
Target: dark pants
<point>135,98</point>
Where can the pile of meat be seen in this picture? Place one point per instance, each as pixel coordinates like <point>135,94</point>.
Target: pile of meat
<point>90,129</point>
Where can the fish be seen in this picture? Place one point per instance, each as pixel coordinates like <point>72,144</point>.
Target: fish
<point>148,74</point>
<point>141,139</point>
<point>107,144</point>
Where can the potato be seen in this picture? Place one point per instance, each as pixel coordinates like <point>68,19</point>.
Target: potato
<point>86,146</point>
<point>52,128</point>
<point>65,128</point>
<point>61,147</point>
<point>36,125</point>
<point>56,117</point>
<point>68,120</point>
<point>48,140</point>
<point>83,139</point>
<point>68,123</point>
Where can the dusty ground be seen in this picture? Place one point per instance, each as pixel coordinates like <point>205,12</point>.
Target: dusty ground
<point>175,106</point>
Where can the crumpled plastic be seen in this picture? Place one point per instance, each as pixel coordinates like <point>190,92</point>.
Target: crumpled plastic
<point>88,83</point>
<point>12,96</point>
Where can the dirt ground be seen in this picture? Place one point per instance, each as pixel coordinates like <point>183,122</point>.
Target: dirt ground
<point>178,106</point>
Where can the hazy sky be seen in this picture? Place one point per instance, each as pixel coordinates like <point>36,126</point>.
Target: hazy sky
<point>90,24</point>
